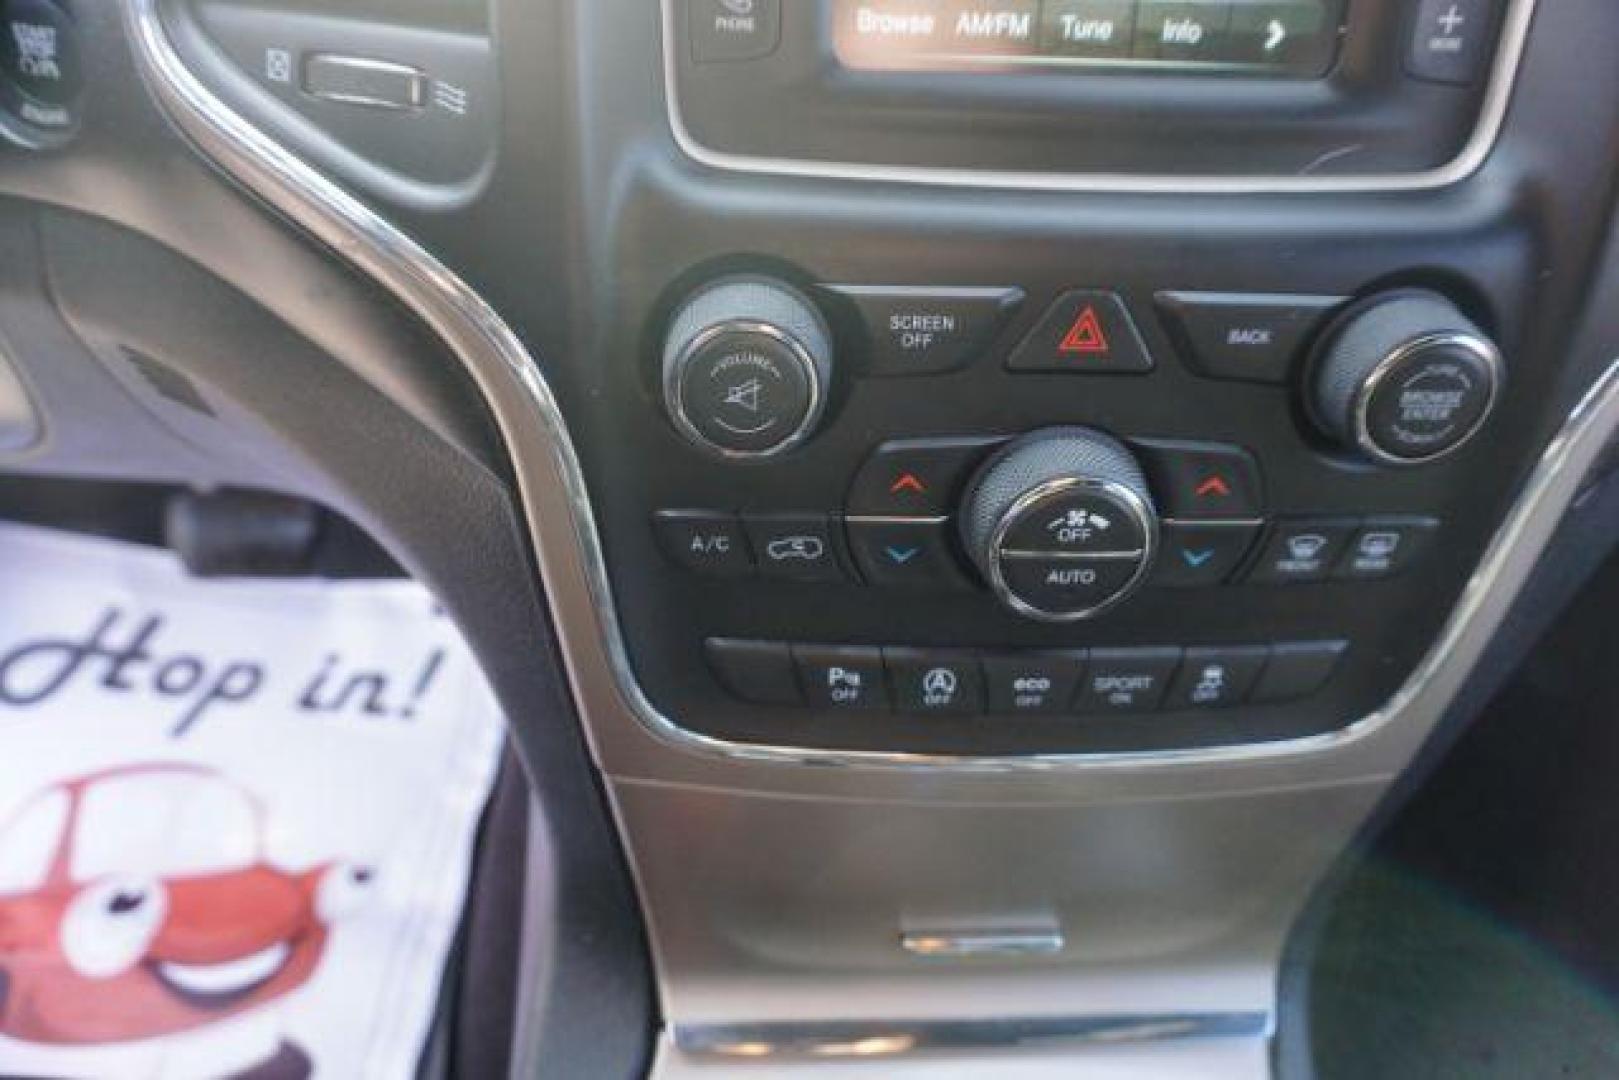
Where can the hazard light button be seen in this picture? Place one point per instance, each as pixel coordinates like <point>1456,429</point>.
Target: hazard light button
<point>1087,332</point>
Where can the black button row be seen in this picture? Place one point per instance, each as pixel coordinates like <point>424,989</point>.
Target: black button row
<point>902,552</point>
<point>810,547</point>
<point>924,330</point>
<point>955,681</point>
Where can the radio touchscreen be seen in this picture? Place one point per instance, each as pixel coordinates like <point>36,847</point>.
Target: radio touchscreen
<point>1295,38</point>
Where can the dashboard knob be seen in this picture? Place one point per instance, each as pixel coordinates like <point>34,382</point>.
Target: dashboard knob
<point>1061,524</point>
<point>1404,378</point>
<point>746,367</point>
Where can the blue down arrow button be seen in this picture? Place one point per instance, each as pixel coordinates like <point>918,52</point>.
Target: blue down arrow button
<point>904,552</point>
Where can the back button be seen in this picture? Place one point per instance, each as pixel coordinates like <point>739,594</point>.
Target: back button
<point>1248,337</point>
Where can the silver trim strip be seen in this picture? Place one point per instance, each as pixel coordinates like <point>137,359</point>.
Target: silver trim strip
<point>1492,114</point>
<point>975,944</point>
<point>546,460</point>
<point>892,1038</point>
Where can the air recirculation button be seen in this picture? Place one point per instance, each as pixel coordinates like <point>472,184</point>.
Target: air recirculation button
<point>1061,524</point>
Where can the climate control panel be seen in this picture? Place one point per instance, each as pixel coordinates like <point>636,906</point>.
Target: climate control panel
<point>974,517</point>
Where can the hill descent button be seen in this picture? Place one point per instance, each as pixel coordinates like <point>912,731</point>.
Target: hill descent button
<point>1086,331</point>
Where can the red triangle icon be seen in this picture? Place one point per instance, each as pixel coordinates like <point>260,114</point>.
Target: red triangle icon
<point>1085,336</point>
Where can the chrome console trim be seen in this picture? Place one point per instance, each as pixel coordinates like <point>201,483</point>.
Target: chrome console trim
<point>1492,114</point>
<point>536,435</point>
<point>891,1038</point>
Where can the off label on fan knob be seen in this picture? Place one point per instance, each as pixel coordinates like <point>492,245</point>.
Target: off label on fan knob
<point>1061,524</point>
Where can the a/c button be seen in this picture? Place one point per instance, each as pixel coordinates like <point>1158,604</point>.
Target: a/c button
<point>705,541</point>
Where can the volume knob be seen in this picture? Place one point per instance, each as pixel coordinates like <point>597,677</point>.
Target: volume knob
<point>1061,524</point>
<point>746,367</point>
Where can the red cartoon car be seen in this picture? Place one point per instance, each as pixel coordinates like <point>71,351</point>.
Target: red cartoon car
<point>137,902</point>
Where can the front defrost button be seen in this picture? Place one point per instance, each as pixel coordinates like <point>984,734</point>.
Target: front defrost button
<point>1301,552</point>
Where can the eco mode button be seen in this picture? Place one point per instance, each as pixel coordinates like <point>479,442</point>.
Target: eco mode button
<point>922,330</point>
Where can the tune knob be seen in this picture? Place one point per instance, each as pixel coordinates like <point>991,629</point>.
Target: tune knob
<point>746,367</point>
<point>1404,378</point>
<point>1061,524</point>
